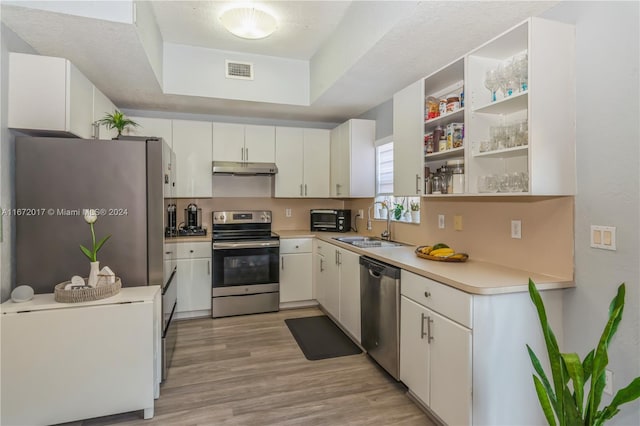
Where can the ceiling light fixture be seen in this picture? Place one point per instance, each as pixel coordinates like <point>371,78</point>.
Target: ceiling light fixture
<point>249,22</point>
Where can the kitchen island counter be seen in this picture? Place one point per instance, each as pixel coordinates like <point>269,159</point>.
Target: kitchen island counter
<point>472,276</point>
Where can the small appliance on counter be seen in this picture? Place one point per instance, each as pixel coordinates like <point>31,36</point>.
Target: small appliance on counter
<point>192,222</point>
<point>171,230</point>
<point>330,220</point>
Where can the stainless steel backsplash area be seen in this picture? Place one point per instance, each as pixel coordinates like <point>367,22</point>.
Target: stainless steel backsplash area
<point>300,207</point>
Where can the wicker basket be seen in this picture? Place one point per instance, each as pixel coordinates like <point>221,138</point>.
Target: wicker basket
<point>77,295</point>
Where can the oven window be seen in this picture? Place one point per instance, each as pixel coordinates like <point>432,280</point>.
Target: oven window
<point>325,220</point>
<point>235,267</point>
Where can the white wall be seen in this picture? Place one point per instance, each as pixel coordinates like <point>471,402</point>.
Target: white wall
<point>198,71</point>
<point>9,42</point>
<point>383,115</point>
<point>608,172</point>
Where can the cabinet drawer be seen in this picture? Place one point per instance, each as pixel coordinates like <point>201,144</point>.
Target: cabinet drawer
<point>295,245</point>
<point>193,250</point>
<point>447,301</point>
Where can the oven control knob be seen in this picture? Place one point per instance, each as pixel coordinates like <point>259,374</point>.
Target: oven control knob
<point>221,218</point>
<point>264,218</point>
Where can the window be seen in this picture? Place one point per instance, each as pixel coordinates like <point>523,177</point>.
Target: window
<point>397,206</point>
<point>384,169</point>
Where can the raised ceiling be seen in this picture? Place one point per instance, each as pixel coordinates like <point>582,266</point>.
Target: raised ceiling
<point>359,53</point>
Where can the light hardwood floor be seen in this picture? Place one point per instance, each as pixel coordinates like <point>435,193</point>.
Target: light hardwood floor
<point>248,370</point>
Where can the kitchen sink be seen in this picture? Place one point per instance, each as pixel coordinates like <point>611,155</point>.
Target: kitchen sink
<point>367,242</point>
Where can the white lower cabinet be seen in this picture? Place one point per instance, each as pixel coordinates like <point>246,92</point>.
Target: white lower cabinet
<point>464,355</point>
<point>435,361</point>
<point>194,270</point>
<point>296,279</point>
<point>338,285</point>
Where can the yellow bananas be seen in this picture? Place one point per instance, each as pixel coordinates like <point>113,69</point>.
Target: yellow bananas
<point>442,252</point>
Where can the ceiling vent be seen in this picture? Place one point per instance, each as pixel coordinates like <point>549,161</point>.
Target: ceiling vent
<point>239,70</point>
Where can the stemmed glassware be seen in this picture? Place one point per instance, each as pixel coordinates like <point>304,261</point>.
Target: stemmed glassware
<point>491,82</point>
<point>510,76</point>
<point>521,70</point>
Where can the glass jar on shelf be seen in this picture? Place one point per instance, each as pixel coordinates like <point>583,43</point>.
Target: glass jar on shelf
<point>457,176</point>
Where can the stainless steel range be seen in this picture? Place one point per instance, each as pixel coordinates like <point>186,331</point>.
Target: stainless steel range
<point>246,259</point>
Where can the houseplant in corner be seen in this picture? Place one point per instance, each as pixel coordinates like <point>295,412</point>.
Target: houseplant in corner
<point>117,121</point>
<point>563,405</point>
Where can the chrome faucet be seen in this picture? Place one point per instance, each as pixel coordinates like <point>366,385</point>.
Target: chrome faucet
<point>386,234</point>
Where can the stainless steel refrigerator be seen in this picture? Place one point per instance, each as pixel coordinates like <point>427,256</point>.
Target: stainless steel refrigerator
<point>127,181</point>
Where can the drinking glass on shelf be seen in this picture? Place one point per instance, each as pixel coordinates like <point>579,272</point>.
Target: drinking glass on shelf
<point>491,82</point>
<point>521,66</point>
<point>524,178</point>
<point>503,183</point>
<point>514,182</point>
<point>521,133</point>
<point>506,80</point>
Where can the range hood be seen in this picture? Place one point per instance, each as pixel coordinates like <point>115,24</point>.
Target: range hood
<point>244,169</point>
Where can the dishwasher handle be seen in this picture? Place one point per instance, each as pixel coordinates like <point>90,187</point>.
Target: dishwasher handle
<point>377,269</point>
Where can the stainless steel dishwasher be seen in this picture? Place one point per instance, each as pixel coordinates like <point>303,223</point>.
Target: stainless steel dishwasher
<point>380,313</point>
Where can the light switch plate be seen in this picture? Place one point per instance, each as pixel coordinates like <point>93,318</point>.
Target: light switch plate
<point>603,237</point>
<point>516,229</point>
<point>457,222</point>
<point>441,221</point>
<point>361,213</point>
<point>287,212</point>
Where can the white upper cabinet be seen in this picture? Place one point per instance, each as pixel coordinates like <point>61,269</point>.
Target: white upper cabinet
<point>352,155</point>
<point>101,107</point>
<point>228,142</point>
<point>244,143</point>
<point>531,132</point>
<point>408,105</point>
<point>519,144</point>
<point>156,127</point>
<point>192,145</point>
<point>302,157</point>
<point>260,144</point>
<point>48,96</point>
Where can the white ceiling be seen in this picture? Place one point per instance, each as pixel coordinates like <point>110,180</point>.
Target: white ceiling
<point>420,38</point>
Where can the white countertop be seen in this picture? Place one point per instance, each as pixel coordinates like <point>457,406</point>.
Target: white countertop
<point>41,302</point>
<point>472,276</point>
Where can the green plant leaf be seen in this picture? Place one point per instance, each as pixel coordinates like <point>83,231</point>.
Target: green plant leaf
<point>571,414</point>
<point>587,365</point>
<point>87,252</point>
<point>543,377</point>
<point>616,303</point>
<point>560,378</point>
<point>576,373</point>
<point>101,243</point>
<point>627,394</point>
<point>601,359</point>
<point>544,401</point>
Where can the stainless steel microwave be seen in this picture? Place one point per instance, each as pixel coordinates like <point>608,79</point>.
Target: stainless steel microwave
<point>330,220</point>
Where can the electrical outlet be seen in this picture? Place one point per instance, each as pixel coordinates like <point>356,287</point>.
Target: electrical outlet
<point>516,229</point>
<point>441,221</point>
<point>361,213</point>
<point>608,384</point>
<point>287,212</point>
<point>457,222</point>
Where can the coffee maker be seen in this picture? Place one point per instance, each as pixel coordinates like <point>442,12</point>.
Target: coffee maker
<point>192,222</point>
<point>171,230</point>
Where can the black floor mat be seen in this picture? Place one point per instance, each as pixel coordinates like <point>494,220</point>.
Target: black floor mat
<point>320,338</point>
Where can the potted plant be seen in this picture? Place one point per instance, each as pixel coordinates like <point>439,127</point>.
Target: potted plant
<point>117,121</point>
<point>397,211</point>
<point>563,404</point>
<point>383,211</point>
<point>415,211</point>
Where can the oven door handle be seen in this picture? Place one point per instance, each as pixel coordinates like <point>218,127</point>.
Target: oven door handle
<point>244,245</point>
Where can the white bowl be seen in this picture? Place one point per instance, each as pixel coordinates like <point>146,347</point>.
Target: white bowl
<point>22,293</point>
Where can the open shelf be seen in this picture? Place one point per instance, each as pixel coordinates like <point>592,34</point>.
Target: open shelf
<point>515,102</point>
<point>450,153</point>
<point>504,153</point>
<point>451,117</point>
